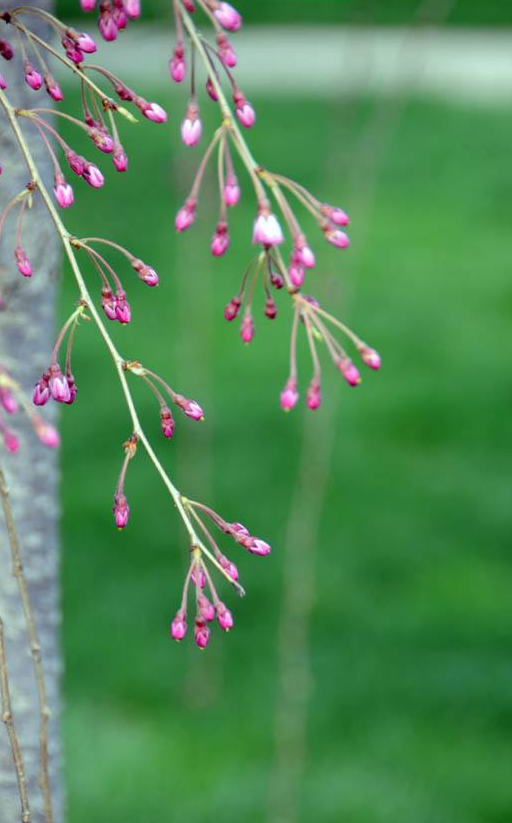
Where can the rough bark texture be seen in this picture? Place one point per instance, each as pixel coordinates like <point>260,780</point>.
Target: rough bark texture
<point>26,338</point>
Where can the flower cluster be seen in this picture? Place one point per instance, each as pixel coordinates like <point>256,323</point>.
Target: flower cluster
<point>113,15</point>
<point>269,266</point>
<point>12,401</point>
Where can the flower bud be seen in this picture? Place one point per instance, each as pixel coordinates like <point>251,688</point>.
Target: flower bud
<point>227,16</point>
<point>41,393</point>
<point>226,51</point>
<point>123,311</point>
<point>121,511</point>
<point>88,5</point>
<point>59,387</point>
<point>211,90</point>
<point>313,395</point>
<point>6,50</point>
<point>186,215</point>
<point>201,633</point>
<point>189,407</point>
<point>146,273</point>
<point>132,8</point>
<point>232,308</point>
<point>11,442</point>
<point>244,111</point>
<point>63,192</point>
<point>247,328</point>
<point>32,76</point>
<point>8,401</point>
<point>270,308</point>
<point>370,357</point>
<point>179,626</point>
<point>53,88</point>
<point>337,238</point>
<point>191,127</point>
<point>92,175</point>
<point>77,163</point>
<point>289,395</point>
<point>47,434</point>
<point>206,609</point>
<point>85,43</point>
<point>108,303</point>
<point>120,159</point>
<point>231,193</point>
<point>224,617</point>
<point>152,111</point>
<point>349,371</point>
<point>220,240</point>
<point>166,421</point>
<point>177,65</point>
<point>267,230</point>
<point>22,262</point>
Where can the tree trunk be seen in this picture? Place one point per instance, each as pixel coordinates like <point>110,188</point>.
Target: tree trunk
<point>27,317</point>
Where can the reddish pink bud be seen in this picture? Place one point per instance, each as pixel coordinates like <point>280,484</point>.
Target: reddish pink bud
<point>106,24</point>
<point>189,407</point>
<point>289,395</point>
<point>47,434</point>
<point>11,442</point>
<point>8,401</point>
<point>226,51</point>
<point>270,308</point>
<point>59,386</point>
<point>179,626</point>
<point>232,308</point>
<point>186,215</point>
<point>85,43</point>
<point>224,617</point>
<point>88,5</point>
<point>72,388</point>
<point>132,8</point>
<point>231,193</point>
<point>212,92</point>
<point>32,76</point>
<point>123,311</point>
<point>76,162</point>
<point>191,128</point>
<point>53,88</point>
<point>6,50</point>
<point>3,82</point>
<point>267,230</point>
<point>370,357</point>
<point>206,609</point>
<point>247,328</point>
<point>93,175</point>
<point>305,255</point>
<point>72,51</point>
<point>63,192</point>
<point>201,633</point>
<point>198,578</point>
<point>177,65</point>
<point>125,93</point>
<point>313,395</point>
<point>227,16</point>
<point>257,546</point>
<point>108,304</point>
<point>220,240</point>
<point>228,567</point>
<point>337,216</point>
<point>119,158</point>
<point>152,111</point>
<point>189,5</point>
<point>349,371</point>
<point>244,111</point>
<point>121,511</point>
<point>239,528</point>
<point>276,279</point>
<point>337,238</point>
<point>166,421</point>
<point>22,262</point>
<point>146,273</point>
<point>42,391</point>
<point>296,273</point>
<point>101,139</point>
<point>119,14</point>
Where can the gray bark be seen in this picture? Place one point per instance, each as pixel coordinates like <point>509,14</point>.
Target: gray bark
<point>27,333</point>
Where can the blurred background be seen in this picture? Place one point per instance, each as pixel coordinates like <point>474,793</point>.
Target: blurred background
<point>368,678</point>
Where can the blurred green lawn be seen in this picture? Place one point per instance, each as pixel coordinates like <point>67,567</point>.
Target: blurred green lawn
<point>411,649</point>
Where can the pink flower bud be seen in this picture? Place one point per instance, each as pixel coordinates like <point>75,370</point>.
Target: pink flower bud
<point>177,65</point>
<point>108,304</point>
<point>296,273</point>
<point>212,93</point>
<point>47,434</point>
<point>189,407</point>
<point>166,421</point>
<point>198,578</point>
<point>119,14</point>
<point>22,262</point>
<point>189,5</point>
<point>239,528</point>
<point>153,112</point>
<point>101,139</point>
<point>88,5</point>
<point>59,386</point>
<point>257,546</point>
<point>186,215</point>
<point>247,328</point>
<point>270,308</point>
<point>146,273</point>
<point>72,388</point>
<point>121,511</point>
<point>93,176</point>
<point>226,51</point>
<point>8,401</point>
<point>127,94</point>
<point>119,158</point>
<point>132,8</point>
<point>191,128</point>
<point>337,216</point>
<point>289,395</point>
<point>228,567</point>
<point>32,76</point>
<point>370,357</point>
<point>276,279</point>
<point>85,43</point>
<point>179,626</point>
<point>305,255</point>
<point>53,88</point>
<point>41,391</point>
<point>76,162</point>
<point>231,193</point>
<point>107,25</point>
<point>224,617</point>
<point>201,633</point>
<point>232,308</point>
<point>123,311</point>
<point>63,192</point>
<point>227,16</point>
<point>337,238</point>
<point>3,82</point>
<point>206,609</point>
<point>74,54</point>
<point>6,50</point>
<point>244,111</point>
<point>220,240</point>
<point>267,230</point>
<point>313,395</point>
<point>11,442</point>
<point>349,371</point>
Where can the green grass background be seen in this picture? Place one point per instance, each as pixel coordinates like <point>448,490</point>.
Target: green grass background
<point>411,655</point>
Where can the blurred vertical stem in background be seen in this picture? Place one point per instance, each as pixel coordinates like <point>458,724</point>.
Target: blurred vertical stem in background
<point>27,321</point>
<point>295,679</point>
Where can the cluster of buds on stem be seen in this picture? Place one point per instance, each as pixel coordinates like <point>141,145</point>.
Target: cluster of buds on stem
<point>13,400</point>
<point>113,15</point>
